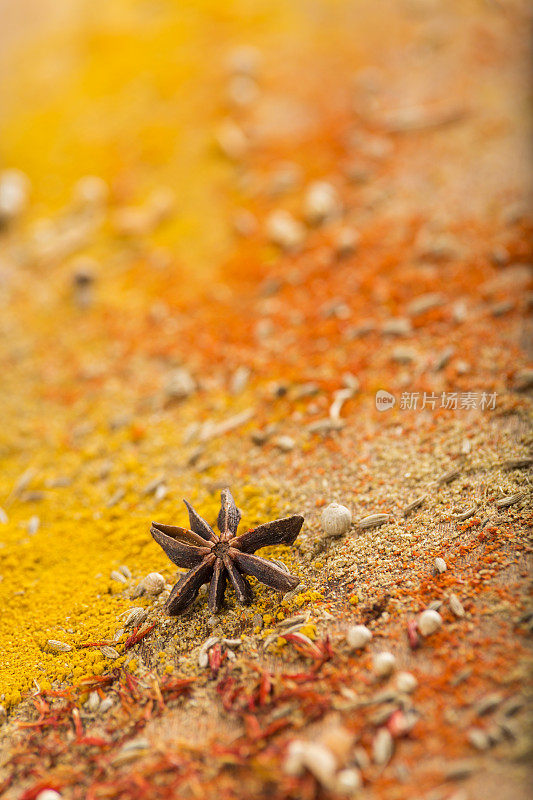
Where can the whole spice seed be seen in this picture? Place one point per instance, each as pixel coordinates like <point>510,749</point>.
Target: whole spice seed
<point>134,616</point>
<point>213,559</point>
<point>440,565</point>
<point>118,576</point>
<point>510,500</point>
<point>348,781</point>
<point>373,521</point>
<point>478,739</point>
<point>414,505</point>
<point>105,705</point>
<point>456,606</point>
<point>336,520</point>
<point>406,682</point>
<point>429,621</point>
<point>93,702</point>
<point>153,584</point>
<point>131,751</point>
<point>449,476</point>
<point>313,756</point>
<point>109,652</point>
<point>460,516</point>
<point>382,747</point>
<point>358,636</point>
<point>58,647</point>
<point>488,704</point>
<point>383,664</point>
<point>517,463</point>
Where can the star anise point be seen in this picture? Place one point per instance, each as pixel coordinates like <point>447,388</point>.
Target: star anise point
<point>215,559</point>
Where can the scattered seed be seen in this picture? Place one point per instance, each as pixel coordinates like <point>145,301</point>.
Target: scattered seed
<point>4,519</point>
<point>348,781</point>
<point>336,520</point>
<point>232,642</point>
<point>397,326</point>
<point>404,355</point>
<point>105,705</point>
<point>513,706</point>
<point>33,525</point>
<point>461,676</point>
<point>517,463</point>
<point>153,584</point>
<point>414,505</point>
<point>510,500</point>
<point>325,425</point>
<point>93,702</point>
<point>478,739</point>
<point>179,385</point>
<point>321,203</point>
<point>429,621</point>
<point>232,140</point>
<point>58,647</point>
<point>383,664</point>
<point>125,571</point>
<point>340,398</point>
<point>14,193</point>
<point>382,747</point>
<point>424,303</point>
<point>109,652</point>
<point>459,771</point>
<point>49,794</point>
<point>118,576</point>
<point>456,606</point>
<point>440,565</point>
<point>488,704</point>
<point>313,756</point>
<point>131,751</point>
<point>211,430</point>
<point>443,359</point>
<point>239,380</point>
<point>116,498</point>
<point>449,476</point>
<point>285,231</point>
<point>284,443</point>
<point>406,682</point>
<point>373,521</point>
<point>358,636</point>
<point>151,487</point>
<point>203,654</point>
<point>134,616</point>
<point>460,516</point>
<point>298,619</point>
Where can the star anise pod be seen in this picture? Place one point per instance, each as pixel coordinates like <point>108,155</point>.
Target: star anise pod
<point>213,558</point>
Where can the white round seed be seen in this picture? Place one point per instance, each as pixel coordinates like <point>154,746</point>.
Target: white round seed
<point>153,584</point>
<point>383,663</point>
<point>406,682</point>
<point>429,621</point>
<point>358,636</point>
<point>336,520</point>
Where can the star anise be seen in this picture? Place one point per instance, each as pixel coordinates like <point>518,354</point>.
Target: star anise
<point>213,558</point>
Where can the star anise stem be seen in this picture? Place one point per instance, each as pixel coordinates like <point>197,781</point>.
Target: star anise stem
<point>215,559</point>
